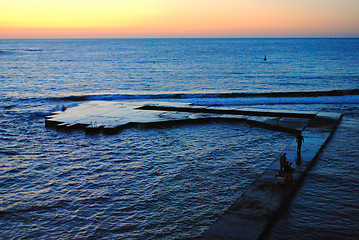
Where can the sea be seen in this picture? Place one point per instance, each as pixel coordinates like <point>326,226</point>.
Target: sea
<point>170,182</point>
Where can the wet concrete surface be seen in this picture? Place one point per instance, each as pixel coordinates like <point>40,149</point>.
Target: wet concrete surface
<point>112,117</point>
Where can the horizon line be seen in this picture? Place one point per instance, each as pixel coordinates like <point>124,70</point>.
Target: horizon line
<point>189,37</point>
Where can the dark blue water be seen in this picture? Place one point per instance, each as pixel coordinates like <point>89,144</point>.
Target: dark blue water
<point>173,182</point>
<point>62,67</point>
<point>326,207</point>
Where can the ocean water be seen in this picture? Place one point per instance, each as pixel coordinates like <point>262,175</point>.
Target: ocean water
<point>170,182</point>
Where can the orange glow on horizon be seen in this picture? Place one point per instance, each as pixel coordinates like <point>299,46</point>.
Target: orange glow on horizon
<point>176,18</point>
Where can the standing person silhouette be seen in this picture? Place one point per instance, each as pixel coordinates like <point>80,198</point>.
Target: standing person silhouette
<point>300,140</point>
<point>282,161</point>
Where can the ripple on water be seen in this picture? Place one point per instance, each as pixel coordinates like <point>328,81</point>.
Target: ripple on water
<point>143,183</point>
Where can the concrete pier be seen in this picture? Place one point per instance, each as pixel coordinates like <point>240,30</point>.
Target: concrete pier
<point>112,117</point>
<point>257,209</point>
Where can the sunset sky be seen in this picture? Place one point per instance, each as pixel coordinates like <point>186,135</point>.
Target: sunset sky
<point>178,18</point>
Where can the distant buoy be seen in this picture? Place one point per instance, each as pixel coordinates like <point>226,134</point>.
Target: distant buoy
<point>265,58</point>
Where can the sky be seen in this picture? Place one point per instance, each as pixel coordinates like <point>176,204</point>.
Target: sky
<point>178,18</point>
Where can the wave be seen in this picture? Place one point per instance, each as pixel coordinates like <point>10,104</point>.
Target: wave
<point>114,96</point>
<point>5,52</point>
<point>16,51</point>
<point>33,50</point>
<point>9,153</point>
<point>200,98</point>
<point>309,97</point>
<point>352,99</point>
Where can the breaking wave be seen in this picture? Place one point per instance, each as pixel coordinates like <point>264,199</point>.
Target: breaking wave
<point>218,99</point>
